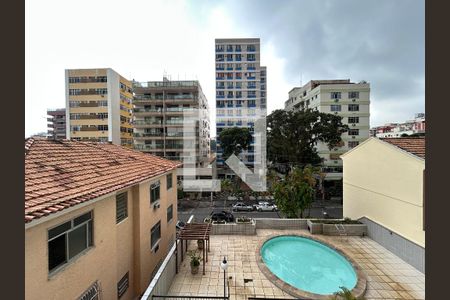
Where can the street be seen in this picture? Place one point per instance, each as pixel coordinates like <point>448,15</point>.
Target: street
<point>202,209</point>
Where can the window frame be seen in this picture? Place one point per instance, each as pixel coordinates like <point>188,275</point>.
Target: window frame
<point>126,207</point>
<point>154,244</point>
<point>66,232</point>
<point>155,185</point>
<point>171,213</point>
<point>353,105</point>
<point>169,176</point>
<point>335,106</point>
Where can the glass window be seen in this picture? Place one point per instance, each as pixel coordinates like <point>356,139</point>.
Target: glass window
<point>335,107</point>
<point>354,95</point>
<point>169,213</point>
<point>335,95</point>
<point>169,181</point>
<point>67,240</point>
<point>155,234</point>
<point>353,107</point>
<point>353,132</point>
<point>353,119</point>
<point>154,192</point>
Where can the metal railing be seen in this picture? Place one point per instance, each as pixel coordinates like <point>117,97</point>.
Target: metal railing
<point>155,297</point>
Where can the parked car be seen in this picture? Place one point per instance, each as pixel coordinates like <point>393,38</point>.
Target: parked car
<point>222,216</point>
<point>242,207</point>
<point>266,206</point>
<point>180,225</point>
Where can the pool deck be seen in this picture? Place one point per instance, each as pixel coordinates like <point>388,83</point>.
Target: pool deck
<point>388,277</point>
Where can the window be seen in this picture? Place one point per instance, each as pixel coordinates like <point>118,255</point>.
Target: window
<point>92,293</point>
<point>353,144</point>
<point>353,95</point>
<point>335,107</point>
<point>353,107</point>
<point>155,235</point>
<point>67,240</point>
<point>122,285</point>
<point>121,207</point>
<point>169,213</point>
<point>154,192</point>
<point>169,181</point>
<point>353,132</point>
<point>335,95</point>
<point>353,119</point>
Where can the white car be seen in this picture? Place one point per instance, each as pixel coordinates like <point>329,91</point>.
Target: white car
<point>265,206</point>
<point>242,207</point>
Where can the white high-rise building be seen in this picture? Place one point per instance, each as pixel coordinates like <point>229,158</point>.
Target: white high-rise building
<point>347,99</point>
<point>240,91</point>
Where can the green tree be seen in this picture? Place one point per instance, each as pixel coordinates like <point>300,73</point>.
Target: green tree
<point>295,192</point>
<point>345,294</point>
<point>233,140</point>
<point>292,136</point>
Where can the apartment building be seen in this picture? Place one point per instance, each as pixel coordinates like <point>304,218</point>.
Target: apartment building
<point>241,87</point>
<point>384,187</point>
<point>99,219</point>
<point>56,123</point>
<point>99,106</point>
<point>347,99</point>
<point>161,112</point>
<point>415,126</point>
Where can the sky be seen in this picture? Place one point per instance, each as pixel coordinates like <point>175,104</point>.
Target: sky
<point>380,41</point>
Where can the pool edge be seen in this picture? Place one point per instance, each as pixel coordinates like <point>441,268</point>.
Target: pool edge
<point>358,291</point>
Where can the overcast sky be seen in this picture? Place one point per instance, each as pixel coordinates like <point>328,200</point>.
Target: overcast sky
<point>380,41</point>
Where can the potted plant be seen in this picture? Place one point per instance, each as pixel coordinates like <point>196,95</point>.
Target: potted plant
<point>195,261</point>
<point>345,294</point>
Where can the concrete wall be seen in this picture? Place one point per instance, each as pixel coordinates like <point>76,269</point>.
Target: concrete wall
<point>281,223</point>
<point>385,184</point>
<point>117,248</point>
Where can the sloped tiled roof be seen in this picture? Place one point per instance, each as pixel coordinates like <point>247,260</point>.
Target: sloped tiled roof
<point>414,145</point>
<point>60,174</point>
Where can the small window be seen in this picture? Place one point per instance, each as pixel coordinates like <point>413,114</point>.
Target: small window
<point>335,107</point>
<point>353,95</point>
<point>154,192</point>
<point>169,213</point>
<point>169,181</point>
<point>122,285</point>
<point>353,132</point>
<point>353,119</point>
<point>353,144</point>
<point>67,240</point>
<point>155,235</point>
<point>353,107</point>
<point>121,207</point>
<point>335,95</point>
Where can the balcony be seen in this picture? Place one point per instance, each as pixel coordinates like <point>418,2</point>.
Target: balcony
<point>251,77</point>
<point>150,110</point>
<point>238,68</point>
<point>174,122</point>
<point>220,124</point>
<point>220,78</point>
<point>230,69</point>
<point>220,68</point>
<point>220,96</point>
<point>144,122</point>
<point>251,86</point>
<point>144,135</point>
<point>148,147</point>
<point>220,87</point>
<point>229,78</point>
<point>251,68</point>
<point>238,59</point>
<point>251,105</point>
<point>229,59</point>
<point>230,96</point>
<point>251,96</point>
<point>219,49</point>
<point>251,59</point>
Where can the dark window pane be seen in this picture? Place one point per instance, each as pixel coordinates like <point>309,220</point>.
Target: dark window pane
<point>121,207</point>
<point>155,234</point>
<point>82,218</point>
<point>58,230</point>
<point>77,241</point>
<point>169,213</point>
<point>56,252</point>
<point>90,234</point>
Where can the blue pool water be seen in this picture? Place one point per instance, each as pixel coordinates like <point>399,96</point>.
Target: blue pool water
<point>308,265</point>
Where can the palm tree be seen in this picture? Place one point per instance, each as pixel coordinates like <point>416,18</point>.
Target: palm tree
<point>345,294</point>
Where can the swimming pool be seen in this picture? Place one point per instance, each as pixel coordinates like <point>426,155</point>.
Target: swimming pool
<point>308,265</point>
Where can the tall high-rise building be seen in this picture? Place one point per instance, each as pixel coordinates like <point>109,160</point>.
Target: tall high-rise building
<point>99,106</point>
<point>240,92</point>
<point>56,124</point>
<point>159,124</point>
<point>347,99</point>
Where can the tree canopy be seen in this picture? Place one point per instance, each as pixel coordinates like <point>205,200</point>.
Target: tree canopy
<point>233,140</point>
<point>292,136</point>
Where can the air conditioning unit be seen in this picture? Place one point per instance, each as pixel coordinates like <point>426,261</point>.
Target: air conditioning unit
<point>353,136</point>
<point>335,112</point>
<point>353,100</point>
<point>156,205</point>
<point>353,124</point>
<point>336,100</point>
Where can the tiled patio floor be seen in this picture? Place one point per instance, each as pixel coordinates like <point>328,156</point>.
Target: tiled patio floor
<point>388,277</point>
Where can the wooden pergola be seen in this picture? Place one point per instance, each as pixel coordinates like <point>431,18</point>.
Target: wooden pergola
<point>195,231</point>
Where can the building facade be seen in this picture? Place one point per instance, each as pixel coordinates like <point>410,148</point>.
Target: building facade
<point>56,123</point>
<point>106,233</point>
<point>161,112</point>
<point>384,188</point>
<point>99,106</point>
<point>349,100</point>
<point>241,91</point>
<point>395,130</point>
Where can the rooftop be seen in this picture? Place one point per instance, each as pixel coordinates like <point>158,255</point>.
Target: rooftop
<point>413,145</point>
<point>63,173</point>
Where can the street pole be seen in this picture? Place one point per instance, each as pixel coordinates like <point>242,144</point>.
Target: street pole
<point>224,266</point>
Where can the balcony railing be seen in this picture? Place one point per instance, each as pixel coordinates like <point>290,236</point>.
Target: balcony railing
<point>160,134</point>
<point>143,122</point>
<point>139,110</point>
<point>148,147</point>
<point>178,83</point>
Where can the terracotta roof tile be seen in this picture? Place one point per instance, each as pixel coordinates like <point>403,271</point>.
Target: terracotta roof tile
<point>414,145</point>
<point>60,174</point>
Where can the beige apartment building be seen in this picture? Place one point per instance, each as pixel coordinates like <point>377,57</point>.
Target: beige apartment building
<point>161,112</point>
<point>99,106</point>
<point>384,188</point>
<point>99,219</point>
<point>344,98</point>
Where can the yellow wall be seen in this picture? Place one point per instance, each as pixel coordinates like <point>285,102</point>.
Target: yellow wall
<point>118,248</point>
<point>385,184</point>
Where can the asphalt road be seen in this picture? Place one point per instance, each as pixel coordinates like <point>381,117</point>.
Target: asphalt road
<point>202,209</point>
